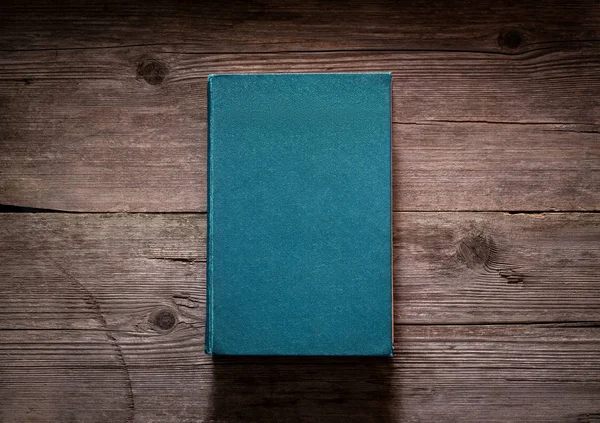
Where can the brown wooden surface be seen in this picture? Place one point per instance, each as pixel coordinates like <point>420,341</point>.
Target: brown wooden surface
<point>451,268</point>
<point>82,131</point>
<point>497,316</point>
<point>496,112</point>
<point>298,25</point>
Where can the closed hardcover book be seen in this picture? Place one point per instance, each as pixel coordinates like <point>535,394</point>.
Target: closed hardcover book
<point>299,245</point>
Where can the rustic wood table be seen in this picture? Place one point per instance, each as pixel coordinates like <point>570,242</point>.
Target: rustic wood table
<point>496,121</point>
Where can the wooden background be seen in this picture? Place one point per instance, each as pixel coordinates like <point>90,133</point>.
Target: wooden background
<point>497,225</point>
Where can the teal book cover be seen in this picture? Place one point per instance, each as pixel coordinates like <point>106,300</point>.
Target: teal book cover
<point>299,242</point>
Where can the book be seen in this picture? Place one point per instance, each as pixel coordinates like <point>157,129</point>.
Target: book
<point>299,240</point>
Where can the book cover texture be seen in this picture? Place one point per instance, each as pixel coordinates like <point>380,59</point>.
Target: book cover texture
<point>299,247</point>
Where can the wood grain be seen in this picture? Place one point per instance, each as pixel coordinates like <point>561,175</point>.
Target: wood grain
<point>312,25</point>
<point>82,339</point>
<point>103,109</point>
<point>102,318</point>
<point>63,376</point>
<point>124,129</point>
<point>496,267</point>
<point>65,271</point>
<point>492,373</point>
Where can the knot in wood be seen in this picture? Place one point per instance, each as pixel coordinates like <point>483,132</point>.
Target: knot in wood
<point>164,319</point>
<point>153,71</point>
<point>476,251</point>
<point>510,39</point>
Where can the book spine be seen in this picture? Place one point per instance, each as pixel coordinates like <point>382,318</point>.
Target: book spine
<point>390,151</point>
<point>208,342</point>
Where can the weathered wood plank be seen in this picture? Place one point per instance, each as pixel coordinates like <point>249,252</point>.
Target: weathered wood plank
<point>450,373</point>
<point>298,25</point>
<point>102,318</point>
<point>496,267</point>
<point>63,376</point>
<point>495,108</point>
<point>83,130</point>
<point>64,271</point>
<point>67,271</point>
